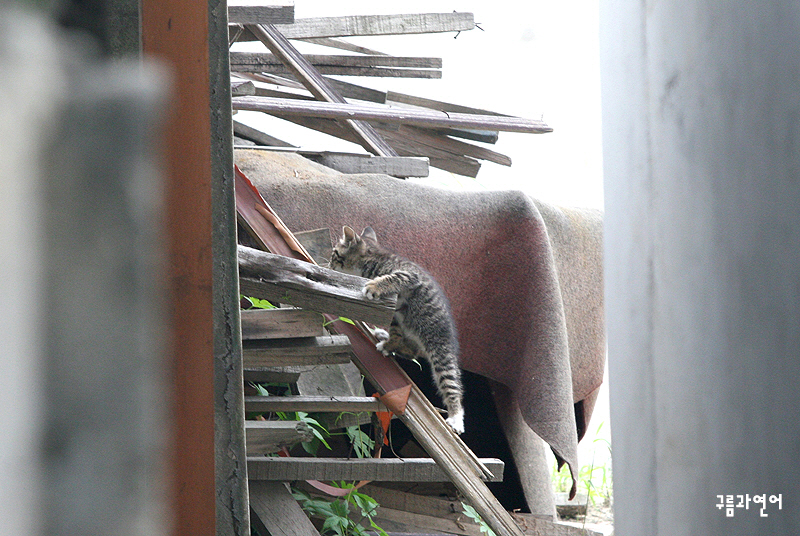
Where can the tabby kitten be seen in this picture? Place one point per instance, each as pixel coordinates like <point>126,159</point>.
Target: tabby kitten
<point>422,325</point>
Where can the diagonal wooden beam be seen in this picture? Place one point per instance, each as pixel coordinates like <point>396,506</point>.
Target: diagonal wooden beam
<point>317,85</point>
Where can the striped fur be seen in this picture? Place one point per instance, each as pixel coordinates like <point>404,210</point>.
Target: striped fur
<point>422,325</point>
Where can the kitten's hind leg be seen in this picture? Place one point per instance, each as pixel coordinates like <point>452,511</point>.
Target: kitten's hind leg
<point>456,421</point>
<point>392,342</point>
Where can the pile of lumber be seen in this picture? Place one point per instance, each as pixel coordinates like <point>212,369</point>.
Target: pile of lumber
<point>298,88</point>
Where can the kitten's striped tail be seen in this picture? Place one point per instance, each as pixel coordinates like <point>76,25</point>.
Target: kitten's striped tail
<point>447,376</point>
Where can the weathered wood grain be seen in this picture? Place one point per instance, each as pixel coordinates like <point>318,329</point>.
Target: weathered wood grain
<point>326,350</point>
<point>284,280</point>
<point>377,25</point>
<point>266,437</point>
<point>276,509</point>
<point>309,404</point>
<point>240,88</point>
<point>244,13</point>
<point>256,61</point>
<point>280,324</point>
<point>346,70</point>
<point>379,470</point>
<point>406,116</point>
<point>249,133</point>
<point>395,166</point>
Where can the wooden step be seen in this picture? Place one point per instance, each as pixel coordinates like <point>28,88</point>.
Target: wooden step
<point>280,324</point>
<point>266,437</point>
<point>325,350</point>
<point>379,470</point>
<point>310,404</point>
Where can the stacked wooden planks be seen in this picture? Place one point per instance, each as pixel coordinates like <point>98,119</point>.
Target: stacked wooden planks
<point>385,123</point>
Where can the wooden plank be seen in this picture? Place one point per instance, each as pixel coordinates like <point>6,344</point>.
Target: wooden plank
<point>395,166</point>
<point>402,98</point>
<point>284,280</point>
<point>267,437</point>
<point>241,12</point>
<point>257,61</point>
<point>309,404</point>
<point>317,243</point>
<point>342,70</point>
<point>377,25</point>
<point>329,349</point>
<point>280,324</point>
<point>318,86</point>
<point>255,135</point>
<point>437,156</point>
<point>345,89</point>
<point>342,45</point>
<point>274,374</point>
<point>240,88</point>
<point>378,470</point>
<point>275,508</point>
<point>406,116</point>
<point>456,147</point>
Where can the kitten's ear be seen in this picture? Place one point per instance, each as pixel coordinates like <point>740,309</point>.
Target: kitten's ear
<point>369,234</point>
<point>348,234</point>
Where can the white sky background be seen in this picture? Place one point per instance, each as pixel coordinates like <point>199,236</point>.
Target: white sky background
<point>534,59</point>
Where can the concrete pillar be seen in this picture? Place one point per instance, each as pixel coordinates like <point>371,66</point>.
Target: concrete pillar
<point>81,334</point>
<point>701,119</point>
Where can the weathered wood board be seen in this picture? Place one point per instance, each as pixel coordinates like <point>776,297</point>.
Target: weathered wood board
<point>280,324</point>
<point>278,511</point>
<point>309,404</point>
<point>328,349</point>
<point>379,470</point>
<point>278,12</point>
<point>266,437</point>
<point>407,116</point>
<point>378,25</point>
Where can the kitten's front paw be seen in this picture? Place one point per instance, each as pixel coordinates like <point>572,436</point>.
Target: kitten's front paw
<point>370,290</point>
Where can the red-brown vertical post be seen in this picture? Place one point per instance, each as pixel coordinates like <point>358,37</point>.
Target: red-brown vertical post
<point>176,32</point>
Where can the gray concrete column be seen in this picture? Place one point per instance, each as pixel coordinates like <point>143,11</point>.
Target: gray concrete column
<point>701,128</point>
<point>82,446</point>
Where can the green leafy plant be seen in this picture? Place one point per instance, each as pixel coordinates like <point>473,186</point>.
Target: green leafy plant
<point>473,514</point>
<point>363,445</point>
<point>259,303</point>
<point>342,516</point>
<point>343,319</point>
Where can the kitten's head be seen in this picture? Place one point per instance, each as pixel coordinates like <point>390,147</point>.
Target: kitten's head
<point>352,250</point>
